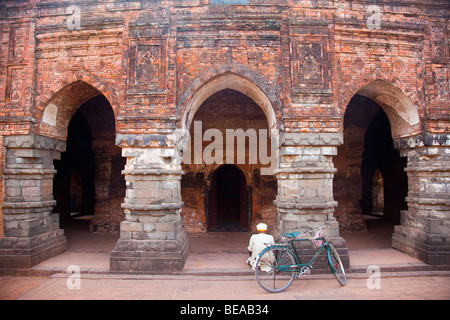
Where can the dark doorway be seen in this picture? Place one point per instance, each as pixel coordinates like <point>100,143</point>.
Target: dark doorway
<point>382,170</point>
<point>228,200</point>
<point>88,185</point>
<point>74,187</point>
<point>370,184</point>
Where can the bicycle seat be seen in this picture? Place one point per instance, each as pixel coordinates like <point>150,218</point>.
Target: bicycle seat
<point>292,234</point>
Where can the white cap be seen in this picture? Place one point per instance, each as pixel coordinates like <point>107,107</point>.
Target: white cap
<point>261,227</point>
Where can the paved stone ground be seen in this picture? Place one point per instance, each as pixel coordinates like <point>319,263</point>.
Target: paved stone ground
<point>203,277</point>
<point>12,288</point>
<point>398,286</point>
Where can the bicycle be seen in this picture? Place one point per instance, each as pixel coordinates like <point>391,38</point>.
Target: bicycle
<point>278,265</point>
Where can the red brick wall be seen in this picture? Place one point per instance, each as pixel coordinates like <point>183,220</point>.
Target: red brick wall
<point>315,57</point>
<point>148,57</point>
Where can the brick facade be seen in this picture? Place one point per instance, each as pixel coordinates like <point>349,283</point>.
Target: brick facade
<point>159,63</point>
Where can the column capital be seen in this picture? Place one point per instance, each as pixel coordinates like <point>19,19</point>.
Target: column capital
<point>425,139</point>
<point>311,138</point>
<point>34,141</point>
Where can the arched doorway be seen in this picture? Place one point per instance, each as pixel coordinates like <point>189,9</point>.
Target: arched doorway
<point>88,184</point>
<point>228,203</point>
<point>227,103</point>
<point>368,155</point>
<point>382,164</point>
<point>371,184</point>
<point>73,185</point>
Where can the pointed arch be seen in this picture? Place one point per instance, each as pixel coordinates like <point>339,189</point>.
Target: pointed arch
<point>54,111</point>
<point>402,113</point>
<point>227,80</point>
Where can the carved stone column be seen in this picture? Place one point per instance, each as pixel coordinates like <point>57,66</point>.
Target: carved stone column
<point>305,185</point>
<point>425,227</point>
<point>152,238</point>
<point>32,232</point>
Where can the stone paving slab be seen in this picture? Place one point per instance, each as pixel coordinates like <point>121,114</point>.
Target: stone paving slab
<point>206,264</point>
<point>154,287</point>
<point>214,271</point>
<point>217,254</point>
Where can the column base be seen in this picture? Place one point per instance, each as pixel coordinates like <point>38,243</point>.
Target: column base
<point>432,251</point>
<point>26,252</point>
<point>150,256</point>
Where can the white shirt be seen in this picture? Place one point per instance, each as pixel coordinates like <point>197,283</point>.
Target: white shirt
<point>258,242</point>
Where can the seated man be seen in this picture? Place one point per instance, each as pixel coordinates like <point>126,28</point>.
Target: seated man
<point>258,242</point>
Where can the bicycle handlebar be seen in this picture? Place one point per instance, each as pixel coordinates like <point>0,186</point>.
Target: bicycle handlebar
<point>320,228</point>
<point>295,234</point>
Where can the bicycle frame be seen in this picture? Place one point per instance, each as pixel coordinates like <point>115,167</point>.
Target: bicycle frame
<point>299,263</point>
<point>278,265</point>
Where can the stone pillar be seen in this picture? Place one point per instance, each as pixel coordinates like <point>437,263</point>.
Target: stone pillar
<point>32,232</point>
<point>152,238</point>
<point>425,227</point>
<point>305,186</point>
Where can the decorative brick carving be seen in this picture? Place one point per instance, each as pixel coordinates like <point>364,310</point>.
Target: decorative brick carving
<point>442,83</point>
<point>439,43</point>
<point>149,67</point>
<point>15,85</point>
<point>18,42</point>
<point>310,70</point>
<point>148,55</point>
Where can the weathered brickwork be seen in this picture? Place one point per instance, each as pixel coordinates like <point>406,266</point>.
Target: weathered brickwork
<point>306,69</point>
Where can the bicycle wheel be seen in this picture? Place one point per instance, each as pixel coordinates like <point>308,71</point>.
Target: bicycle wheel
<point>336,265</point>
<point>274,269</point>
